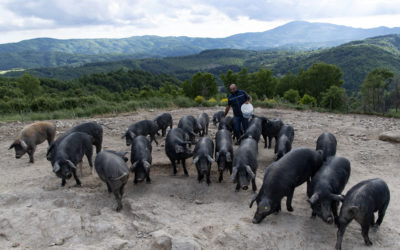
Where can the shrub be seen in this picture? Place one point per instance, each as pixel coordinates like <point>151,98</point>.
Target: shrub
<point>308,100</point>
<point>199,99</point>
<point>211,102</point>
<point>292,96</point>
<point>223,102</point>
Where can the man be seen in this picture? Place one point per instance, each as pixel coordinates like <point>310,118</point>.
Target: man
<point>235,100</point>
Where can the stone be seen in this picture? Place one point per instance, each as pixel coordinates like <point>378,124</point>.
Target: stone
<point>185,244</point>
<point>391,136</point>
<point>162,240</point>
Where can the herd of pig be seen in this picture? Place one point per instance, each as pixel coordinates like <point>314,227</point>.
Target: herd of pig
<point>325,173</point>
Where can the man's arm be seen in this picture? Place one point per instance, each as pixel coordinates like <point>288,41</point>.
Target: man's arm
<point>227,110</point>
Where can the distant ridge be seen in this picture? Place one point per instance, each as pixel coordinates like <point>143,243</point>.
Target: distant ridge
<point>297,35</point>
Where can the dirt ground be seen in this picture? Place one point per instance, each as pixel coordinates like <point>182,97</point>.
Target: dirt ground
<point>37,213</point>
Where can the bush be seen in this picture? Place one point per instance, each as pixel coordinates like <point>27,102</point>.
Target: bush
<point>308,100</point>
<point>223,102</point>
<point>199,99</point>
<point>184,102</point>
<point>292,96</point>
<point>211,102</point>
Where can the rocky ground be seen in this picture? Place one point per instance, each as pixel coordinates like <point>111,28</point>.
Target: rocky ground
<point>178,212</point>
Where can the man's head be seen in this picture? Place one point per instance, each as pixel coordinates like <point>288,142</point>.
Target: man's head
<point>232,88</point>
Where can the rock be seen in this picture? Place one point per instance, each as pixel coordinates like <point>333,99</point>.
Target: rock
<point>391,136</point>
<point>162,240</point>
<point>185,244</point>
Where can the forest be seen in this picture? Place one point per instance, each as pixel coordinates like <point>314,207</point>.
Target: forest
<point>319,87</point>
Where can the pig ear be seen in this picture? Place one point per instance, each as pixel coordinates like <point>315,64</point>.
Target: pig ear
<point>125,157</point>
<point>234,173</point>
<point>354,209</point>
<point>71,164</point>
<point>210,159</point>
<point>134,166</point>
<point>195,160</point>
<point>178,149</point>
<point>250,172</point>
<point>253,200</point>
<point>24,145</point>
<point>313,199</point>
<point>56,167</point>
<point>228,157</point>
<point>124,135</point>
<point>146,165</point>
<point>132,135</point>
<point>217,156</point>
<point>337,197</point>
<point>11,146</point>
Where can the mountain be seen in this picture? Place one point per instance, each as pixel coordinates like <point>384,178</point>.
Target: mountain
<point>356,59</point>
<point>298,35</point>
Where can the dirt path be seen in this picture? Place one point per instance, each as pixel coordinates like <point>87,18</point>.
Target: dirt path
<point>36,213</point>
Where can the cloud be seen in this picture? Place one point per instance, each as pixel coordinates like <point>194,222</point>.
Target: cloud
<point>179,17</point>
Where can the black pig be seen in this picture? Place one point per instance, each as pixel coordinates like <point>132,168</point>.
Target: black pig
<point>282,177</point>
<point>202,158</point>
<point>176,148</point>
<point>111,168</point>
<point>245,164</point>
<point>223,151</point>
<point>144,127</point>
<point>141,158</point>
<point>163,121</point>
<point>326,188</point>
<point>327,143</point>
<point>360,203</point>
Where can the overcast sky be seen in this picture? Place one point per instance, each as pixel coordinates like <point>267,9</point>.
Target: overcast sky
<point>26,19</point>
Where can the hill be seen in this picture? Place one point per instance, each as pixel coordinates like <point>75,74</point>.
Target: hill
<point>298,35</point>
<point>356,59</point>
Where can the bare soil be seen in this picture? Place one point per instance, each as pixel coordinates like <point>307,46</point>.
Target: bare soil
<point>37,213</point>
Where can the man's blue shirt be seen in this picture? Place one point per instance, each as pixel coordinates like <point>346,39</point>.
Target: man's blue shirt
<point>236,101</point>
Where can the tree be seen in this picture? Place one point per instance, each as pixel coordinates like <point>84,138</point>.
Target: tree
<point>333,98</point>
<point>374,88</point>
<point>288,81</point>
<point>228,78</point>
<point>318,78</point>
<point>202,84</point>
<point>395,94</point>
<point>263,83</point>
<point>29,85</point>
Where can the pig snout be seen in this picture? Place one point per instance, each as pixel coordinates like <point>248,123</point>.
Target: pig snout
<point>245,187</point>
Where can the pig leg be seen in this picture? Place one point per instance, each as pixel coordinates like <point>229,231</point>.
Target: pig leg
<point>221,175</point>
<point>30,153</point>
<point>340,233</point>
<point>253,183</point>
<point>153,138</point>
<point>334,208</point>
<point>381,214</point>
<point>364,232</point>
<point>118,197</point>
<point>164,131</point>
<point>148,180</point>
<point>309,191</point>
<point>108,188</point>
<point>289,198</point>
<point>63,181</point>
<point>78,182</point>
<point>89,153</point>
<point>174,166</point>
<point>184,168</point>
<point>237,187</point>
<point>208,178</point>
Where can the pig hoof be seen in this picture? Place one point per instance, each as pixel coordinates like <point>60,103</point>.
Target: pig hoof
<point>78,185</point>
<point>290,209</point>
<point>368,243</point>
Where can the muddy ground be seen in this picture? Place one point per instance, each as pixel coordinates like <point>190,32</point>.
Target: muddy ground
<point>177,211</point>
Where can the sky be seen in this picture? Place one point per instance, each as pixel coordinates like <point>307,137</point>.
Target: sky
<point>66,19</point>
